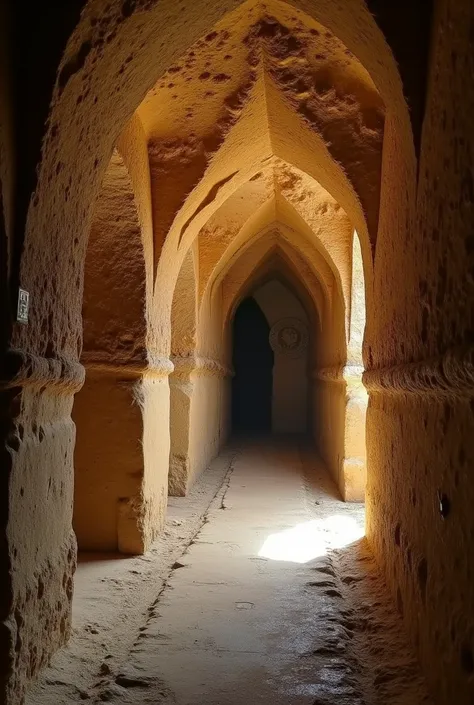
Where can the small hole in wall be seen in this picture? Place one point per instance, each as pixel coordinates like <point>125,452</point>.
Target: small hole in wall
<point>397,534</point>
<point>444,504</point>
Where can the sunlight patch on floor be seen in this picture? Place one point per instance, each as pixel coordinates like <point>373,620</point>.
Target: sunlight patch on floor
<point>312,539</point>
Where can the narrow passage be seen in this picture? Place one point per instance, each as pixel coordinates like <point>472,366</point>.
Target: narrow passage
<point>276,600</point>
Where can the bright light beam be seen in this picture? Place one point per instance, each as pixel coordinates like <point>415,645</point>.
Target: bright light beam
<point>311,539</point>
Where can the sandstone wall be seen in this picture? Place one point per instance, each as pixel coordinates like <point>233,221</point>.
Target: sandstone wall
<point>420,423</point>
<point>68,114</point>
<point>328,390</point>
<point>109,511</point>
<point>339,397</point>
<point>199,418</point>
<point>210,416</point>
<point>199,384</point>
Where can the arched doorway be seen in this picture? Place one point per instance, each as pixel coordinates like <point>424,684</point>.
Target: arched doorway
<point>288,321</point>
<point>291,329</point>
<point>253,366</point>
<point>86,147</point>
<point>110,455</point>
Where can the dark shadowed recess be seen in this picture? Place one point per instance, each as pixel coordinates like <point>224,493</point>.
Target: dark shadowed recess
<point>253,366</point>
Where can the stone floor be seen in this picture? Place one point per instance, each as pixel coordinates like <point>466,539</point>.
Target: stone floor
<point>262,591</point>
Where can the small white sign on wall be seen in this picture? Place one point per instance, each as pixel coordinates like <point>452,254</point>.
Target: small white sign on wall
<point>23,306</point>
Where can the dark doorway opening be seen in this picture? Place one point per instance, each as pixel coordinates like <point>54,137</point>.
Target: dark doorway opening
<point>253,365</point>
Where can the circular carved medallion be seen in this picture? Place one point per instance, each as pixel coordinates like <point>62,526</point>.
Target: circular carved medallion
<point>289,336</point>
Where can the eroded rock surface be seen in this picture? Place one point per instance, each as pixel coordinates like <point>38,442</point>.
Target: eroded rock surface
<point>276,598</point>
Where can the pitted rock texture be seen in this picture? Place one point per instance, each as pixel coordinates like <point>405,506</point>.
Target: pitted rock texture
<point>42,607</point>
<point>276,593</point>
<point>285,106</point>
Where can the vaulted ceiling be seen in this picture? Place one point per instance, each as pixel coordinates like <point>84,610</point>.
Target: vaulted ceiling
<point>267,118</point>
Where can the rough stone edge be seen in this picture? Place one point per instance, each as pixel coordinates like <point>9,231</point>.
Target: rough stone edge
<point>338,373</point>
<point>451,374</point>
<point>186,365</point>
<point>23,369</point>
<point>67,375</point>
<point>158,367</point>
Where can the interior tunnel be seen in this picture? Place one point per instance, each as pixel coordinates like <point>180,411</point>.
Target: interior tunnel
<point>272,361</point>
<point>236,261</point>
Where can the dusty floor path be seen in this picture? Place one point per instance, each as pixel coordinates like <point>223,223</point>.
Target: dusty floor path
<point>274,599</point>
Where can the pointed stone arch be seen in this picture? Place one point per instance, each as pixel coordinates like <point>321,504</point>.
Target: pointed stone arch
<point>111,458</point>
<point>299,236</point>
<point>108,65</point>
<point>338,397</point>
<point>310,216</point>
<point>252,266</point>
<point>308,267</point>
<point>112,58</point>
<point>283,286</point>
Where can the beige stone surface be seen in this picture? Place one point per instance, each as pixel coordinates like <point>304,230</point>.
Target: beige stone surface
<point>113,592</point>
<point>272,596</point>
<point>277,610</point>
<point>257,137</point>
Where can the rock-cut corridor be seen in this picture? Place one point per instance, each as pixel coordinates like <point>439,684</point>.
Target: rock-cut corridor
<point>262,590</point>
<point>229,220</point>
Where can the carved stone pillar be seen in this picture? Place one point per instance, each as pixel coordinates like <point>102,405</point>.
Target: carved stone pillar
<point>199,401</point>
<point>181,395</point>
<point>120,466</point>
<point>354,462</point>
<point>38,556</point>
<point>342,407</point>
